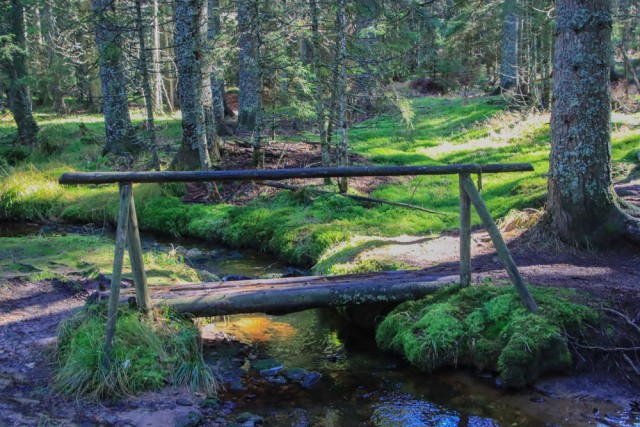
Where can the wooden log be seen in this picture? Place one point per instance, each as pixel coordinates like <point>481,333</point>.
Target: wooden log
<point>465,234</point>
<point>280,174</point>
<point>503,252</point>
<point>301,296</point>
<point>135,257</point>
<point>118,258</point>
<point>277,184</point>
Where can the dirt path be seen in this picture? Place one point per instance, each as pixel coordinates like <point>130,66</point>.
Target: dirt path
<point>30,314</point>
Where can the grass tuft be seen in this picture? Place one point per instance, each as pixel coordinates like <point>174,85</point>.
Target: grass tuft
<point>146,355</point>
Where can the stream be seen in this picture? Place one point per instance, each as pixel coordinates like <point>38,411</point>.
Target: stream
<point>342,378</point>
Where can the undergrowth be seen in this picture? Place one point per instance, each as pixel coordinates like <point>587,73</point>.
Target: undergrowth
<point>303,228</point>
<point>147,354</point>
<point>487,327</point>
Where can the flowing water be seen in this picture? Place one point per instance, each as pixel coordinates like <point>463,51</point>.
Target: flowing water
<point>358,385</point>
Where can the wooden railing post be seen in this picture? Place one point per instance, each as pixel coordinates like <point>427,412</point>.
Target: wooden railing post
<point>465,234</point>
<point>135,257</point>
<point>116,275</point>
<point>503,252</point>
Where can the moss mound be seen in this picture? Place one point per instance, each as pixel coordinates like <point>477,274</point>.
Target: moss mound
<point>147,354</point>
<point>487,327</point>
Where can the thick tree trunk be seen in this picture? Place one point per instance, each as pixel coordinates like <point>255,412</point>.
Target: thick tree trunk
<point>190,17</point>
<point>510,31</point>
<point>249,81</point>
<point>581,202</point>
<point>121,138</point>
<point>15,68</point>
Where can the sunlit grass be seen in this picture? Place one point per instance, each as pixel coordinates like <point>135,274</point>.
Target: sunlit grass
<point>299,227</point>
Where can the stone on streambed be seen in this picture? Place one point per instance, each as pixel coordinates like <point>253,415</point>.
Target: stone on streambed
<point>248,419</point>
<point>306,379</point>
<point>190,419</point>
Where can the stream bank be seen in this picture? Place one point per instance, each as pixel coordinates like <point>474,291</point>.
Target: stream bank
<point>358,384</point>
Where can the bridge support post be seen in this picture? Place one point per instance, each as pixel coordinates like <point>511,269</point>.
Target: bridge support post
<point>503,252</point>
<point>465,233</point>
<point>118,258</point>
<point>135,257</point>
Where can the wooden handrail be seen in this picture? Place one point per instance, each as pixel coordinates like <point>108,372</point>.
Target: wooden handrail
<point>280,174</point>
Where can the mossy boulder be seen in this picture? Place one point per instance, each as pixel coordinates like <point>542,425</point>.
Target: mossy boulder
<point>487,327</point>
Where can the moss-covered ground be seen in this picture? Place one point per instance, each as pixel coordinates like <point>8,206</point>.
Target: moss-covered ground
<point>488,327</point>
<point>303,230</point>
<point>81,257</point>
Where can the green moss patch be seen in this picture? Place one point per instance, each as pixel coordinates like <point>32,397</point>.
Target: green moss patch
<point>45,257</point>
<point>147,354</point>
<point>487,327</point>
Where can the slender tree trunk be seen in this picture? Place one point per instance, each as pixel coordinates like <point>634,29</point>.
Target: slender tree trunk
<point>216,76</point>
<point>157,70</point>
<point>53,62</point>
<point>317,87</point>
<point>510,31</point>
<point>250,86</point>
<point>16,69</point>
<point>581,202</point>
<point>121,138</point>
<point>190,16</point>
<point>343,183</point>
<point>146,86</point>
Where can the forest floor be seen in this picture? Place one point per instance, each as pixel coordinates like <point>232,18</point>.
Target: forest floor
<point>32,310</point>
<point>333,235</point>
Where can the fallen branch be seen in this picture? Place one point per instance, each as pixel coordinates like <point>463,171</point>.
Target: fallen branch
<point>290,187</point>
<point>625,317</point>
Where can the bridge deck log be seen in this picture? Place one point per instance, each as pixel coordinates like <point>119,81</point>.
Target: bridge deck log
<point>286,295</point>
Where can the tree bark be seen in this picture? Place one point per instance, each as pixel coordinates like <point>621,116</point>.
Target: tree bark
<point>581,202</point>
<point>157,72</point>
<point>16,69</point>
<point>189,18</point>
<point>510,31</point>
<point>216,76</point>
<point>120,135</point>
<point>318,93</point>
<point>343,183</point>
<point>249,82</point>
<point>146,86</point>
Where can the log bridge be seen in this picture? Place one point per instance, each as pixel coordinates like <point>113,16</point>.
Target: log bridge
<point>298,293</point>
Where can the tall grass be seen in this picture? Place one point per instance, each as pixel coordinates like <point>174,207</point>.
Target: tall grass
<point>147,354</point>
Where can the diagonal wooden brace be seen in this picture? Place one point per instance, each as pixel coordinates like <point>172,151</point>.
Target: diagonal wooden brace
<point>503,252</point>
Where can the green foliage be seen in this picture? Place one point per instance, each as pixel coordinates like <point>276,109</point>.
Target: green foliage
<point>146,355</point>
<point>303,227</point>
<point>487,327</point>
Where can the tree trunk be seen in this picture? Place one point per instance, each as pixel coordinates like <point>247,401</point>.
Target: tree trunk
<point>317,87</point>
<point>190,17</point>
<point>249,82</point>
<point>16,69</point>
<point>581,202</point>
<point>216,76</point>
<point>157,71</point>
<point>146,86</point>
<point>510,30</point>
<point>343,183</point>
<point>120,135</point>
